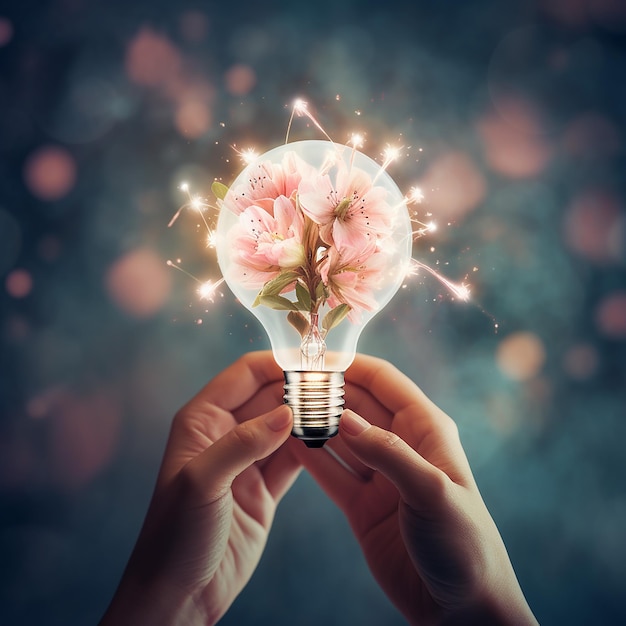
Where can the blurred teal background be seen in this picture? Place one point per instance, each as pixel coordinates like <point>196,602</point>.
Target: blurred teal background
<point>513,119</point>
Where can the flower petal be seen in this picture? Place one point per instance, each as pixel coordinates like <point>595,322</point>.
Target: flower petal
<point>317,198</point>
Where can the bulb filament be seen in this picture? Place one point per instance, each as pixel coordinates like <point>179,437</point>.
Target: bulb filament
<point>313,347</point>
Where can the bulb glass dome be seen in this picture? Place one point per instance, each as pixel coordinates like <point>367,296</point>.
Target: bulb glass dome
<point>314,238</point>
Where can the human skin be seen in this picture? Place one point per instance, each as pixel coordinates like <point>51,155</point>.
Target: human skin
<point>414,505</point>
<point>222,476</point>
<point>403,482</point>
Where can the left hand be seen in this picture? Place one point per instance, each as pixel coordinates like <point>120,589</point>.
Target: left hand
<point>221,479</point>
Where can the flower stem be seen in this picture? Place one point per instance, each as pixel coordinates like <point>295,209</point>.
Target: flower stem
<point>313,347</point>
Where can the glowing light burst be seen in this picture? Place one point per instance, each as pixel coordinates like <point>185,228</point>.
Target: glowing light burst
<point>356,140</point>
<point>415,196</point>
<point>301,108</point>
<point>197,203</point>
<point>423,228</point>
<point>207,290</point>
<point>211,240</point>
<point>462,291</point>
<point>390,154</point>
<point>247,155</point>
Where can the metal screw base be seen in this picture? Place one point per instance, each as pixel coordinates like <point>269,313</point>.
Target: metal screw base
<point>316,399</point>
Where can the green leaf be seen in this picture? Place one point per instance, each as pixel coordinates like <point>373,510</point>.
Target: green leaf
<point>335,316</point>
<point>320,291</point>
<point>219,190</point>
<point>304,297</point>
<point>276,285</point>
<point>299,322</point>
<point>277,303</point>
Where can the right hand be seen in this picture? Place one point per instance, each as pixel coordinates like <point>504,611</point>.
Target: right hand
<point>414,506</point>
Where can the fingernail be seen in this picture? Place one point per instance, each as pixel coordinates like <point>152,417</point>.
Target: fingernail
<point>279,418</point>
<point>352,423</point>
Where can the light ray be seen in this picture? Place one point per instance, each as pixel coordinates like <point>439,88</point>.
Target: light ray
<point>247,155</point>
<point>300,108</point>
<point>461,291</point>
<point>207,289</point>
<point>390,154</point>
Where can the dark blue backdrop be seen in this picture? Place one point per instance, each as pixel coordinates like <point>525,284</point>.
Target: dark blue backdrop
<point>512,116</point>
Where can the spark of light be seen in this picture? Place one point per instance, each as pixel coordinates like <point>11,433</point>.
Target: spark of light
<point>423,228</point>
<point>356,140</point>
<point>207,289</point>
<point>300,108</point>
<point>176,266</point>
<point>415,195</point>
<point>247,155</point>
<point>211,240</point>
<point>462,291</point>
<point>390,154</point>
<point>197,203</point>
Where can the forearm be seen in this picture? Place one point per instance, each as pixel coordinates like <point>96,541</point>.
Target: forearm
<point>517,614</point>
<point>502,605</point>
<point>137,603</point>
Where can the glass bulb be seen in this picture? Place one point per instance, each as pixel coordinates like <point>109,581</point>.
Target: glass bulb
<point>314,238</point>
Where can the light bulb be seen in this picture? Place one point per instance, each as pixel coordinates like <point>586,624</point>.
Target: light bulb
<point>314,238</point>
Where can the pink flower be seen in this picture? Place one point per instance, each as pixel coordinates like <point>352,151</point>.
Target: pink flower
<point>351,276</point>
<point>352,213</point>
<point>265,244</point>
<point>268,181</point>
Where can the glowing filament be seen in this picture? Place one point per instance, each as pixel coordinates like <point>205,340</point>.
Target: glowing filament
<point>313,348</point>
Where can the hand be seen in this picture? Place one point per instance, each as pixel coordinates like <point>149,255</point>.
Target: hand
<point>220,481</point>
<point>407,490</point>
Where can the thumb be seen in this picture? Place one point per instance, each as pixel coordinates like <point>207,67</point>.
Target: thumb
<point>252,440</point>
<point>417,480</point>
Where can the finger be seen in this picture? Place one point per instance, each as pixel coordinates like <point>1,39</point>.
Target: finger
<point>239,382</point>
<point>339,484</point>
<point>211,473</point>
<point>266,399</point>
<point>412,415</point>
<point>385,383</point>
<point>280,472</point>
<point>361,401</point>
<point>435,436</point>
<point>338,449</point>
<point>417,480</point>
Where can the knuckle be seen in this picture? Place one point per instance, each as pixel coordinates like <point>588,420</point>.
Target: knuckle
<point>388,439</point>
<point>433,419</point>
<point>449,426</point>
<point>245,436</point>
<point>189,482</point>
<point>439,485</point>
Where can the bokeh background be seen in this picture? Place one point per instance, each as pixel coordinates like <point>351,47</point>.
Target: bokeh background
<point>512,116</point>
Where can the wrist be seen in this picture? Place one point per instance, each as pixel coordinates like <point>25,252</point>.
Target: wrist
<point>139,603</point>
<point>499,608</point>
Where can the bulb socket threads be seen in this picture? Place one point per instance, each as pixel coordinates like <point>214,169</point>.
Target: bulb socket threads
<point>316,399</point>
